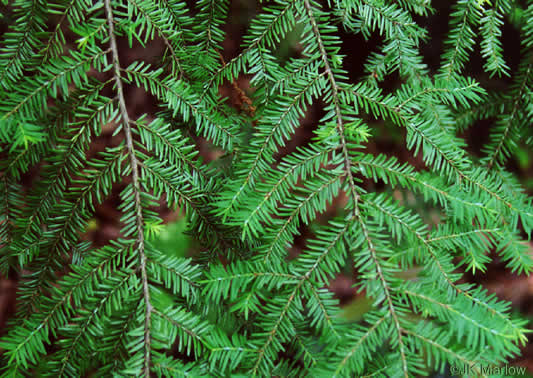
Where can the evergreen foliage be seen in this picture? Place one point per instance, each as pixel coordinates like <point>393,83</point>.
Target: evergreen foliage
<point>242,307</point>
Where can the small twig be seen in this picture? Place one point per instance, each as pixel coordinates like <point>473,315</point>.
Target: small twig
<point>243,98</point>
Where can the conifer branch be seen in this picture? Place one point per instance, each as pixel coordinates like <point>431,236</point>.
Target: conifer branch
<point>461,174</point>
<point>293,295</point>
<point>448,351</point>
<point>443,271</point>
<point>306,350</point>
<point>336,103</point>
<point>461,234</point>
<point>161,33</point>
<point>46,83</point>
<point>254,44</point>
<point>272,217</point>
<point>48,44</point>
<point>514,113</point>
<point>88,321</point>
<point>211,14</point>
<point>353,193</point>
<point>136,187</point>
<point>359,343</point>
<point>460,314</point>
<point>387,291</point>
<point>29,19</point>
<point>272,134</point>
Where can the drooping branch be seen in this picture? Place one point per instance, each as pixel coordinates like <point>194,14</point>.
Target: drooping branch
<point>348,167</point>
<point>136,186</point>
